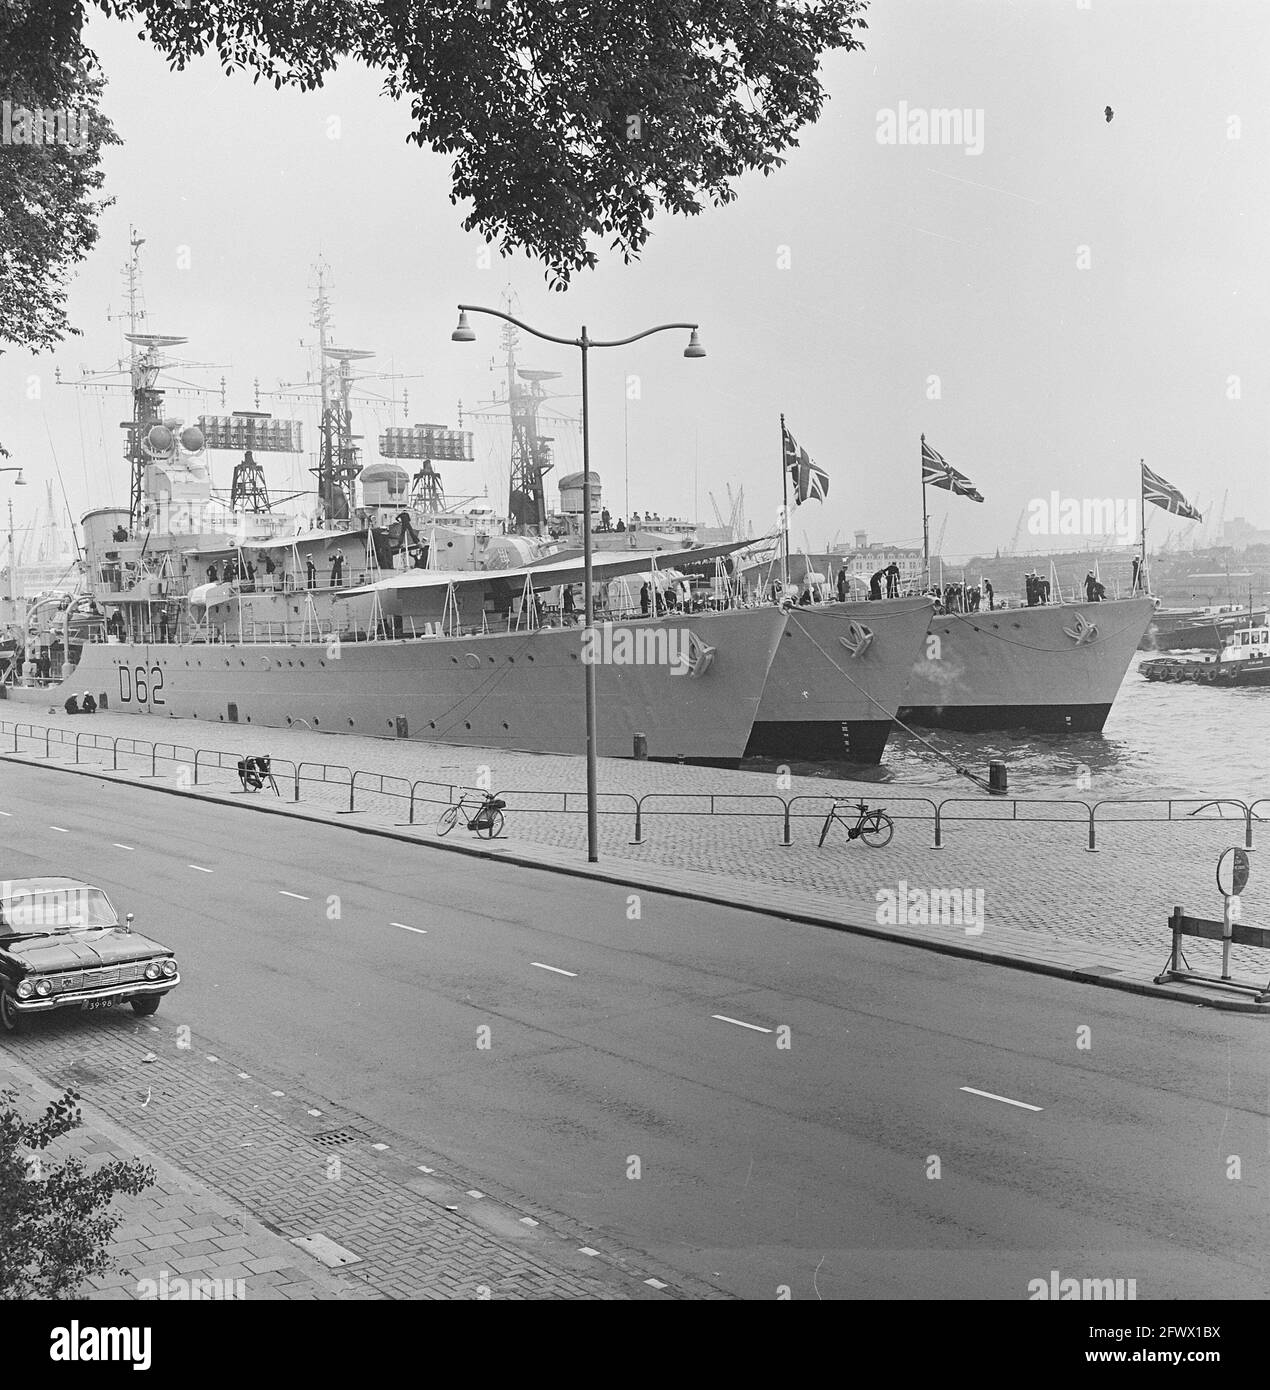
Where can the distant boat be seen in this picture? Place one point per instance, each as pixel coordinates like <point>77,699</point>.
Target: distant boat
<point>1244,661</point>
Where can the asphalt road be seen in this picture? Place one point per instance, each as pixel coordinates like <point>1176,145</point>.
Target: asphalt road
<point>760,1166</point>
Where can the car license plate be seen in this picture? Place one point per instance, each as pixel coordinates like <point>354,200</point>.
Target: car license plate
<point>90,1004</point>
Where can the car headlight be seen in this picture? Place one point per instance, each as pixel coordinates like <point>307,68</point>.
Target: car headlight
<point>44,987</point>
<point>169,967</point>
<point>152,970</point>
<point>25,989</point>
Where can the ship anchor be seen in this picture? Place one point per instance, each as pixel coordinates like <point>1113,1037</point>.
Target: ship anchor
<point>858,639</point>
<point>1083,632</point>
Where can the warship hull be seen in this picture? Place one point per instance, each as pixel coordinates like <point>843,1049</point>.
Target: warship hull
<point>837,680</point>
<point>517,690</point>
<point>1053,668</point>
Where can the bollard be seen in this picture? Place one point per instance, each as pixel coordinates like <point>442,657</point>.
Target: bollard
<point>997,780</point>
<point>641,747</point>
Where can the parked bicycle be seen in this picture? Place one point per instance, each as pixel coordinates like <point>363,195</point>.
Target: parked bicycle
<point>873,827</point>
<point>484,816</point>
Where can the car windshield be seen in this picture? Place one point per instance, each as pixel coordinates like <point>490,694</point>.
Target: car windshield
<point>27,908</point>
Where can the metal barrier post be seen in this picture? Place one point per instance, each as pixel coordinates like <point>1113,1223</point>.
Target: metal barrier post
<point>639,822</point>
<point>939,842</point>
<point>1091,847</point>
<point>114,755</point>
<point>1247,827</point>
<point>788,840</point>
<point>296,797</point>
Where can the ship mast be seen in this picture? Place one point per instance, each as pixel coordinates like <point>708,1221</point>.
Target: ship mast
<point>531,457</point>
<point>338,457</point>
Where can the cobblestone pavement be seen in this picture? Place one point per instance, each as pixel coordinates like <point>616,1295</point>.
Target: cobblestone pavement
<point>415,1230</point>
<point>264,1165</point>
<point>1036,876</point>
<point>178,1230</point>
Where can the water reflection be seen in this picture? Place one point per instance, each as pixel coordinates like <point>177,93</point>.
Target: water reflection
<point>1160,739</point>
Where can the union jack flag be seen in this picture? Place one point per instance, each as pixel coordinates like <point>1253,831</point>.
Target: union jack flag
<point>937,472</point>
<point>1155,489</point>
<point>809,479</point>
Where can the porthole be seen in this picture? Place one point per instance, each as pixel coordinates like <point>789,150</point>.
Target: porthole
<point>505,726</point>
<point>432,724</point>
<point>467,726</point>
<point>350,723</point>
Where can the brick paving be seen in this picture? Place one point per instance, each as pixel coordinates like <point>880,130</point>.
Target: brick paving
<point>1042,889</point>
<point>255,1175</point>
<point>1048,905</point>
<point>179,1230</point>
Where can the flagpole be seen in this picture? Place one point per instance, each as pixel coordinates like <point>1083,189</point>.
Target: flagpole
<point>1142,496</point>
<point>925,523</point>
<point>785,499</point>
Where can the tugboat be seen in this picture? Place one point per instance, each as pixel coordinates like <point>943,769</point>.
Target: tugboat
<point>1244,660</point>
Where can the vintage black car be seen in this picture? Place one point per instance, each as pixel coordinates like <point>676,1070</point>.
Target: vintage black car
<point>63,947</point>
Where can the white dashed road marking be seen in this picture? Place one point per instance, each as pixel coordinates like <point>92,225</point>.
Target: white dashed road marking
<point>119,846</point>
<point>199,868</point>
<point>285,894</point>
<point>987,1095</point>
<point>555,969</point>
<point>60,828</point>
<point>723,1018</point>
<point>423,931</point>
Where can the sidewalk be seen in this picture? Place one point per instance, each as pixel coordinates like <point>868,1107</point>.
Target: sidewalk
<point>178,1231</point>
<point>292,1195</point>
<point>1047,903</point>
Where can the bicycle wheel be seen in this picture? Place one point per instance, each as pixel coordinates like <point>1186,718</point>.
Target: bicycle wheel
<point>493,827</point>
<point>449,818</point>
<point>877,829</point>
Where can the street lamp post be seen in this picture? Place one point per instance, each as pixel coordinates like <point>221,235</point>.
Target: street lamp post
<point>465,333</point>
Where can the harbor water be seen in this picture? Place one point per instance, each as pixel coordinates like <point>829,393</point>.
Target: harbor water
<point>1166,739</point>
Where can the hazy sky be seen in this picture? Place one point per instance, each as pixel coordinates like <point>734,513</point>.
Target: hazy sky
<point>1083,291</point>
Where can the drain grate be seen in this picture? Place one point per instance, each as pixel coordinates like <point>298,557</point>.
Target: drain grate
<point>335,1138</point>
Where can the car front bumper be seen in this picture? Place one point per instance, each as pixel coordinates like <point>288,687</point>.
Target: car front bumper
<point>74,997</point>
